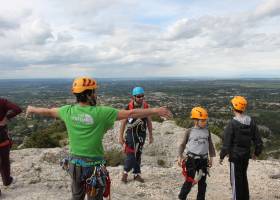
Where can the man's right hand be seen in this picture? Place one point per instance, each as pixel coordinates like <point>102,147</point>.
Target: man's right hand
<point>164,112</point>
<point>28,110</point>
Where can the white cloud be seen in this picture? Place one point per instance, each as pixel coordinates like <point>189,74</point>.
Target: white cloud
<point>118,38</point>
<point>183,28</point>
<point>35,32</point>
<point>268,8</point>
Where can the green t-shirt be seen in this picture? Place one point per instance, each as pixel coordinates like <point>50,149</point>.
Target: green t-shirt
<point>86,126</point>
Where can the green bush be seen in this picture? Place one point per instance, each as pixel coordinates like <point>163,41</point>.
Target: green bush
<point>41,140</point>
<point>161,163</point>
<point>218,146</point>
<point>114,157</point>
<point>48,137</point>
<point>183,122</point>
<point>157,119</point>
<point>216,130</point>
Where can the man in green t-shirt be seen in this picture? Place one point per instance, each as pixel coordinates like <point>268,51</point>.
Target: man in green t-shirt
<point>86,125</point>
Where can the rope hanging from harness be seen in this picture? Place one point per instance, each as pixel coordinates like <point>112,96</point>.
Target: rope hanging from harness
<point>135,126</point>
<point>185,173</point>
<point>198,175</point>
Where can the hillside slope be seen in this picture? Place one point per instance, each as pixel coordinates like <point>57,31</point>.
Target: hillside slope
<point>39,176</point>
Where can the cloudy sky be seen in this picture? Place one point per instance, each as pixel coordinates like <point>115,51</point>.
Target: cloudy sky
<point>132,38</point>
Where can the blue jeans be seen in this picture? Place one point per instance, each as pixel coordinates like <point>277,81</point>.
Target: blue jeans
<point>133,160</point>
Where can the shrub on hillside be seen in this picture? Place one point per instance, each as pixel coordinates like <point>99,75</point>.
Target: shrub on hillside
<point>183,122</point>
<point>216,130</point>
<point>48,137</point>
<point>157,119</point>
<point>40,140</point>
<point>161,163</point>
<point>114,157</point>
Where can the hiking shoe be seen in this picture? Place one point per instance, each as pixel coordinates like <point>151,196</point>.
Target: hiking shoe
<point>12,180</point>
<point>124,177</point>
<point>139,178</point>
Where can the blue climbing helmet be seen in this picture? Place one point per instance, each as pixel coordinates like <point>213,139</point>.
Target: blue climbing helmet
<point>137,91</point>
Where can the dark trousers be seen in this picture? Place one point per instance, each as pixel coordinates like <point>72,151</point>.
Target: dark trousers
<point>193,166</point>
<point>239,181</point>
<point>5,166</point>
<point>133,160</point>
<point>78,188</point>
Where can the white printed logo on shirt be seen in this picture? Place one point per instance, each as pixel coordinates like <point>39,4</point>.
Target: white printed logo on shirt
<point>83,118</point>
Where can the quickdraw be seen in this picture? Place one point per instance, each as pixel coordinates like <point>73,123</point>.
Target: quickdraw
<point>98,179</point>
<point>94,177</point>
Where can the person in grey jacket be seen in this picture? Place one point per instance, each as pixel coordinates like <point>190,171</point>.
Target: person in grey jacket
<point>239,134</point>
<point>195,163</point>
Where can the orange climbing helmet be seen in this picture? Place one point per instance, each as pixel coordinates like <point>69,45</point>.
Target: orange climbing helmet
<point>239,103</point>
<point>199,113</point>
<point>83,83</point>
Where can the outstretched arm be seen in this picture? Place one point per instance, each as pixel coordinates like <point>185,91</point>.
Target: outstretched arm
<point>142,113</point>
<point>47,112</point>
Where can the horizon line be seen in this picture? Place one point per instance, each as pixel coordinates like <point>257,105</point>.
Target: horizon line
<point>150,78</point>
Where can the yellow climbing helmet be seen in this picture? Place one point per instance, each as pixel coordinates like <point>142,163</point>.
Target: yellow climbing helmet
<point>199,113</point>
<point>81,84</point>
<point>239,103</point>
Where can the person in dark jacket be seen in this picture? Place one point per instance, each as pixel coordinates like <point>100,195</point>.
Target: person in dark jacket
<point>8,110</point>
<point>135,136</point>
<point>239,134</point>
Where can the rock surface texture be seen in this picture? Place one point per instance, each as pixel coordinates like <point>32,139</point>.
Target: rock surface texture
<point>38,174</point>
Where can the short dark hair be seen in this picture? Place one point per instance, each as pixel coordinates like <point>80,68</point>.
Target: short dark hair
<point>83,96</point>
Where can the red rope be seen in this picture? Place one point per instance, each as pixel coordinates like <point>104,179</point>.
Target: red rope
<point>185,173</point>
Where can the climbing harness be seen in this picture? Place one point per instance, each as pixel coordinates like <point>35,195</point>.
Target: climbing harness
<point>198,175</point>
<point>94,176</point>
